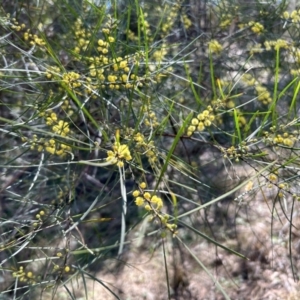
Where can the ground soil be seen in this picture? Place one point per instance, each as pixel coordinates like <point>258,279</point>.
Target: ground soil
<point>258,229</point>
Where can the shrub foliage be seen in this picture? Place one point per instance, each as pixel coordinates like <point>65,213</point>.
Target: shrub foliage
<point>116,115</point>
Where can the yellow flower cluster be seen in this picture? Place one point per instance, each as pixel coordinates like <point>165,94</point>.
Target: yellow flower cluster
<point>131,35</point>
<point>170,18</point>
<point>236,153</point>
<point>52,146</point>
<point>226,15</point>
<point>256,27</point>
<point>295,55</point>
<point>55,147</point>
<point>145,199</point>
<point>225,23</point>
<point>159,54</point>
<point>249,80</point>
<point>280,43</point>
<point>119,154</point>
<point>263,94</point>
<point>26,277</point>
<point>145,26</point>
<point>215,47</point>
<point>82,36</point>
<point>71,79</point>
<point>169,14</point>
<point>16,25</point>
<point>33,39</point>
<point>111,71</point>
<point>121,63</point>
<point>63,269</point>
<point>59,127</point>
<point>294,16</point>
<point>202,121</point>
<point>274,138</point>
<point>257,48</point>
<point>151,119</point>
<point>34,142</point>
<point>241,119</point>
<point>39,217</point>
<point>285,139</point>
<point>67,108</point>
<point>284,188</point>
<point>295,72</point>
<point>273,177</point>
<point>103,46</point>
<point>153,204</point>
<point>52,71</point>
<point>187,23</point>
<point>146,147</point>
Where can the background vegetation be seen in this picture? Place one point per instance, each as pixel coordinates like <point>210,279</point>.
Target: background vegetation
<point>161,124</point>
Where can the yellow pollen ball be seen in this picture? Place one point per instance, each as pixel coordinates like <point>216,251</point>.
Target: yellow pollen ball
<point>67,269</point>
<point>139,201</point>
<point>147,196</point>
<point>143,185</point>
<point>136,193</point>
